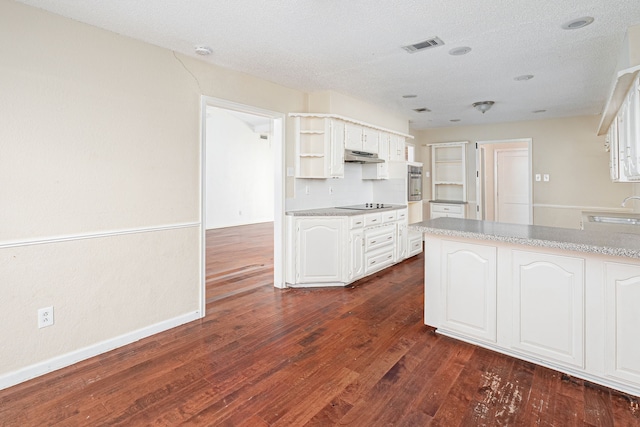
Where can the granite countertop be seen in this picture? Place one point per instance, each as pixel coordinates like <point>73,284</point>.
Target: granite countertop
<point>449,202</point>
<point>341,211</point>
<point>597,242</point>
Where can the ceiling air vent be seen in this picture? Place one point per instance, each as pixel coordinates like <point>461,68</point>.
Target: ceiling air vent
<point>422,110</point>
<point>432,42</point>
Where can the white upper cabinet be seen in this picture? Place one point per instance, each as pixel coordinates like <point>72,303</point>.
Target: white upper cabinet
<point>396,148</point>
<point>623,129</point>
<point>370,140</point>
<point>353,137</point>
<point>322,138</point>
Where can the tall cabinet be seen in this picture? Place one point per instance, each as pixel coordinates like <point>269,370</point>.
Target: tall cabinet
<point>449,180</point>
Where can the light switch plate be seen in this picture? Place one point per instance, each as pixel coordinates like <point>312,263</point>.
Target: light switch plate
<point>538,177</point>
<point>546,177</point>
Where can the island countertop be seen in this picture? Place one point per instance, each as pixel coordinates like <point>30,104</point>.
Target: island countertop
<point>598,242</point>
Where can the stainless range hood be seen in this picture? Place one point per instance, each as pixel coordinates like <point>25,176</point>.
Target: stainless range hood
<point>354,156</point>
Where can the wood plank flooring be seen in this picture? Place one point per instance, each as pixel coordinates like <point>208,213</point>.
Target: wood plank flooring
<point>357,356</point>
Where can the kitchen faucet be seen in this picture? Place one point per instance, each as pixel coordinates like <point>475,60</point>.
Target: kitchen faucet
<point>629,198</point>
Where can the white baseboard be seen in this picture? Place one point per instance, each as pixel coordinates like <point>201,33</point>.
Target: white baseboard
<point>64,360</point>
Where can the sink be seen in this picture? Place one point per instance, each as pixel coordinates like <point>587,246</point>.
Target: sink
<point>611,221</point>
<point>614,220</point>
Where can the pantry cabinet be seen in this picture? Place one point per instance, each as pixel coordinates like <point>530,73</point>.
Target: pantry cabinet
<point>396,148</point>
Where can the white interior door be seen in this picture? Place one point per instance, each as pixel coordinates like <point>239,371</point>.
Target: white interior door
<point>512,186</point>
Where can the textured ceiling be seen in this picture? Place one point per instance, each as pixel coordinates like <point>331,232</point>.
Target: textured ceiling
<point>354,47</point>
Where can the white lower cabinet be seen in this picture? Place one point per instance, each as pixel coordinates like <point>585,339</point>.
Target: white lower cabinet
<point>548,306</point>
<point>469,289</point>
<point>334,251</point>
<point>575,312</point>
<point>446,210</point>
<point>320,250</point>
<point>622,322</point>
<point>414,243</point>
<point>356,258</point>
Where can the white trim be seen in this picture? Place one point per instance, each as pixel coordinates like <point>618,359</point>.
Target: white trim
<point>64,360</point>
<point>72,237</point>
<point>279,193</point>
<point>350,120</point>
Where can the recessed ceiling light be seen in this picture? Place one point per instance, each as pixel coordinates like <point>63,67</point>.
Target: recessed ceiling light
<point>457,51</point>
<point>539,111</point>
<point>422,110</point>
<point>574,24</point>
<point>203,50</point>
<point>454,120</point>
<point>409,96</point>
<point>524,77</point>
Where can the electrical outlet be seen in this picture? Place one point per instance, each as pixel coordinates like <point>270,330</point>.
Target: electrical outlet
<point>538,177</point>
<point>546,177</point>
<point>306,189</point>
<point>45,317</point>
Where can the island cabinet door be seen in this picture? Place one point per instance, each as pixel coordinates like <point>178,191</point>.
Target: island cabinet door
<point>468,280</point>
<point>622,322</point>
<point>548,306</point>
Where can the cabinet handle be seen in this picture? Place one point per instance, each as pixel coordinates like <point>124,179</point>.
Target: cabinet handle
<point>372,262</point>
<point>373,241</point>
<point>374,220</point>
<point>359,222</point>
<point>389,257</point>
<point>390,237</point>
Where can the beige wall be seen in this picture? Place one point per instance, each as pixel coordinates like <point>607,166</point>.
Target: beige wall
<point>567,149</point>
<point>336,103</point>
<point>100,171</point>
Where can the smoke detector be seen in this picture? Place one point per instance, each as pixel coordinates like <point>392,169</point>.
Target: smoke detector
<point>432,42</point>
<point>203,50</point>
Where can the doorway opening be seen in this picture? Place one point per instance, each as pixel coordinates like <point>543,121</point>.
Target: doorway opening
<point>503,181</point>
<point>242,196</point>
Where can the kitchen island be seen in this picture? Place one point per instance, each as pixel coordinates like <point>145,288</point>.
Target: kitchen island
<point>565,299</point>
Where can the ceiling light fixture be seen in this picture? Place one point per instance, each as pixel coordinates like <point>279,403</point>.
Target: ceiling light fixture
<point>574,24</point>
<point>460,51</point>
<point>523,78</point>
<point>422,110</point>
<point>203,50</point>
<point>454,120</point>
<point>483,106</point>
<point>540,111</point>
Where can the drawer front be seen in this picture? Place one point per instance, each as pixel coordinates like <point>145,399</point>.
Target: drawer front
<point>415,244</point>
<point>401,214</point>
<point>356,222</point>
<point>447,209</point>
<point>389,216</point>
<point>378,260</point>
<point>380,237</point>
<point>372,219</point>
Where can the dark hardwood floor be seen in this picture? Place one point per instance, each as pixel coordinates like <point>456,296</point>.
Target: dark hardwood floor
<point>357,356</point>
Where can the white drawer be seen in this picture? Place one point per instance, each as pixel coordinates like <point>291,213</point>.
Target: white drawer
<point>378,237</point>
<point>372,219</point>
<point>401,214</point>
<point>356,221</point>
<point>447,209</point>
<point>415,244</point>
<point>378,260</point>
<point>389,216</point>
